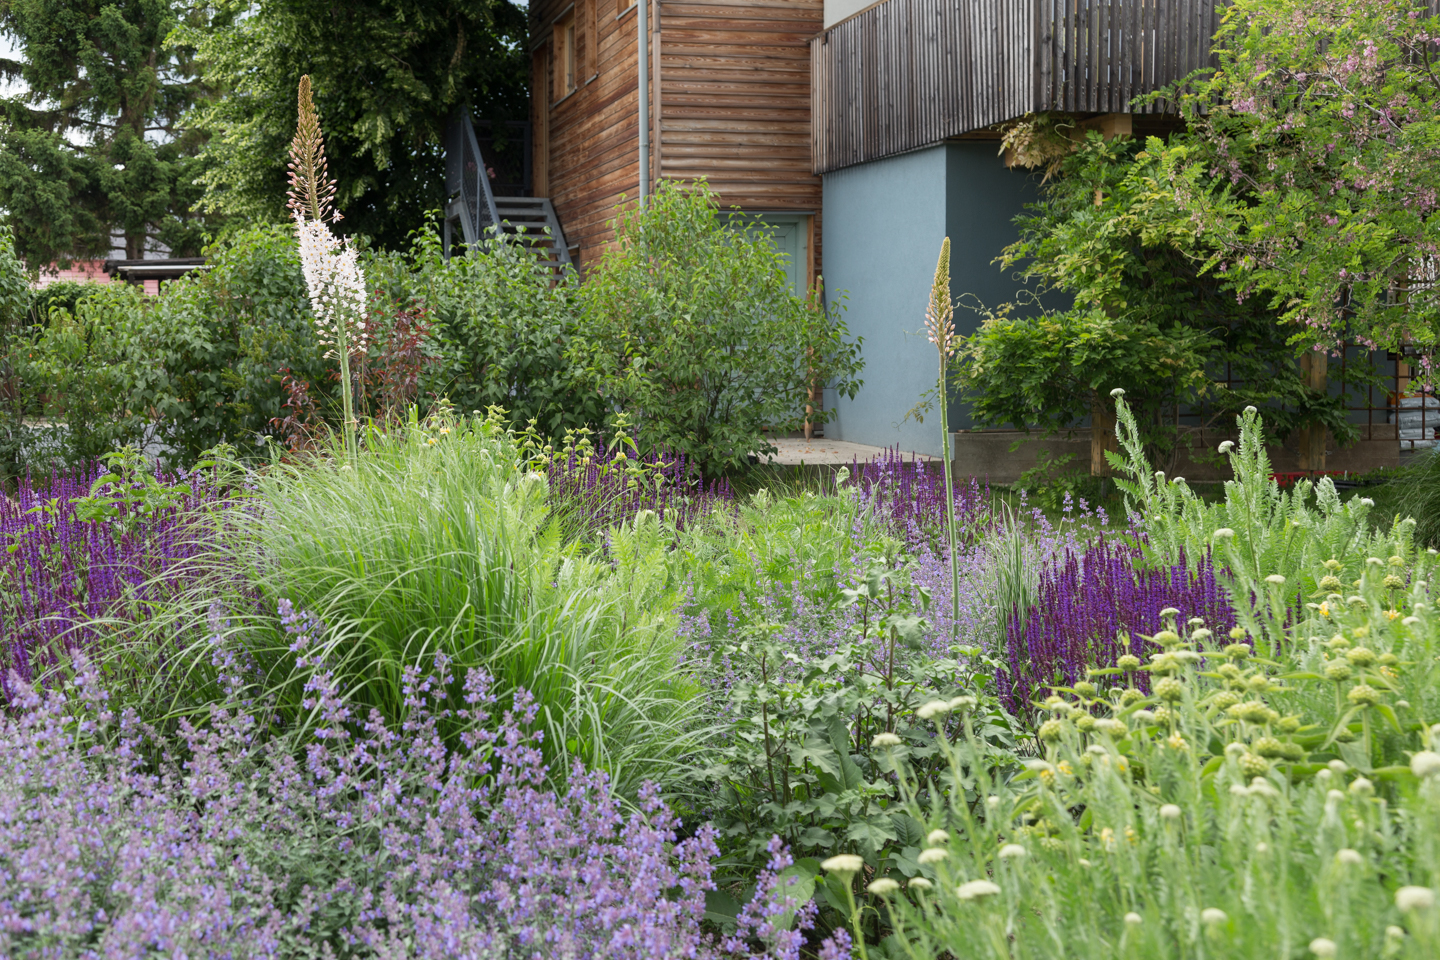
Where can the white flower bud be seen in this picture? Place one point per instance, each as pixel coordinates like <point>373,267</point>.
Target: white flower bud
<point>937,838</point>
<point>1350,858</point>
<point>976,890</point>
<point>1322,948</point>
<point>1013,851</point>
<point>1134,919</point>
<point>1170,811</point>
<point>1118,392</point>
<point>845,863</point>
<point>1424,764</point>
<point>932,709</point>
<point>883,887</point>
<point>1224,533</point>
<point>1414,898</point>
<point>932,855</point>
<point>881,740</point>
<point>1213,915</point>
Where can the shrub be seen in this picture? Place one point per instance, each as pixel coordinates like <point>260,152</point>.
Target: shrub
<point>85,367</point>
<point>220,339</point>
<point>690,327</point>
<point>503,324</point>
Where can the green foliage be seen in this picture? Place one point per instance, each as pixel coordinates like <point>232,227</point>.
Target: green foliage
<point>795,761</point>
<point>386,75</point>
<point>87,364</point>
<point>1318,186</point>
<point>15,400</point>
<point>1258,532</point>
<point>1145,314</point>
<point>1049,371</point>
<point>97,142</point>
<point>1154,818</point>
<point>220,339</point>
<point>201,362</point>
<point>690,327</point>
<point>502,328</point>
<point>62,293</point>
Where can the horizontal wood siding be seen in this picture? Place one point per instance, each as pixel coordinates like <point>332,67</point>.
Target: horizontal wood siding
<point>908,73</point>
<point>732,105</point>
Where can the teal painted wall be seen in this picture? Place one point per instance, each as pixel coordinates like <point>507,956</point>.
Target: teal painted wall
<point>883,225</point>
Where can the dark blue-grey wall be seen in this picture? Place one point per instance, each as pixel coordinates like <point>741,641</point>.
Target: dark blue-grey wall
<point>883,225</point>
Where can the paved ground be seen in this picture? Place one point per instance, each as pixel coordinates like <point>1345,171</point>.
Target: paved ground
<point>820,451</point>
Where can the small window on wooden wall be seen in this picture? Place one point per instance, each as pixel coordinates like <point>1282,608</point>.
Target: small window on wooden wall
<point>565,67</point>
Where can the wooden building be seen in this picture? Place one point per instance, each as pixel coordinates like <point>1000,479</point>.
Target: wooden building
<point>729,96</point>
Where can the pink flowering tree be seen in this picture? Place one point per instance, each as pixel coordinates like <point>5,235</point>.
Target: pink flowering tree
<point>1315,170</point>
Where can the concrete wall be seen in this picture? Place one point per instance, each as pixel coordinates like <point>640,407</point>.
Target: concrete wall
<point>837,10</point>
<point>882,230</point>
<point>883,225</point>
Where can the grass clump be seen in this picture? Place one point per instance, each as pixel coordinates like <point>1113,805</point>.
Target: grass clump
<point>441,542</point>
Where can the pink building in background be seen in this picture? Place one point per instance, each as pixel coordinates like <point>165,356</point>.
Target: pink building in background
<point>147,274</point>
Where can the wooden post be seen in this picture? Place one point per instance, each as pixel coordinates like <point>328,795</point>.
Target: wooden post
<point>1102,436</point>
<point>1314,365</point>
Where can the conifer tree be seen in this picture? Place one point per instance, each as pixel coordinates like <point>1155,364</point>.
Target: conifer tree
<point>95,154</point>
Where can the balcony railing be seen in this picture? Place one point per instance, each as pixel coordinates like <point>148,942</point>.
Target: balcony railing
<point>907,73</point>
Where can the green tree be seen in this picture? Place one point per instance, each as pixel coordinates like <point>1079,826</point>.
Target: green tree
<point>386,75</point>
<point>1146,315</point>
<point>691,329</point>
<point>1314,174</point>
<point>95,153</point>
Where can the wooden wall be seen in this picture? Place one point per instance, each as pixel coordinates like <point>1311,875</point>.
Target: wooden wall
<point>907,73</point>
<point>730,101</point>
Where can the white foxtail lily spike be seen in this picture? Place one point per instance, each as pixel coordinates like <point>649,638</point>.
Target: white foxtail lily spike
<point>331,268</point>
<point>940,327</point>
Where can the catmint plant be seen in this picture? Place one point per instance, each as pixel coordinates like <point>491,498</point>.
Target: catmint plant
<point>351,838</point>
<point>331,266</point>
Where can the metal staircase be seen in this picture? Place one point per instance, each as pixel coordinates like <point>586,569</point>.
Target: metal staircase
<point>481,214</point>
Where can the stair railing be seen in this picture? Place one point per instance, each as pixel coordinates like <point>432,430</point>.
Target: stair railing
<point>469,198</point>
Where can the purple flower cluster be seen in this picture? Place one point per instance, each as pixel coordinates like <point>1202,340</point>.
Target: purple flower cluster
<point>911,494</point>
<point>58,572</point>
<point>351,839</point>
<point>599,491</point>
<point>1085,601</point>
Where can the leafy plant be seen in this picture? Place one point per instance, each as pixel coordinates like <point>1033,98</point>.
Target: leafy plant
<point>1268,541</point>
<point>504,324</point>
<point>1149,820</point>
<point>690,327</point>
<point>1147,314</point>
<point>1318,185</point>
<point>794,762</point>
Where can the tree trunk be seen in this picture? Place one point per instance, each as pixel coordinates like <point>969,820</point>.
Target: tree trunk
<point>1314,365</point>
<point>1102,436</point>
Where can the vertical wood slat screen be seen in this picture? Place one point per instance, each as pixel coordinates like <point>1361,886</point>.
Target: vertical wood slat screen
<point>907,73</point>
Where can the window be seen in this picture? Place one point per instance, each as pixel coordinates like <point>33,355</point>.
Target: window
<point>564,56</point>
